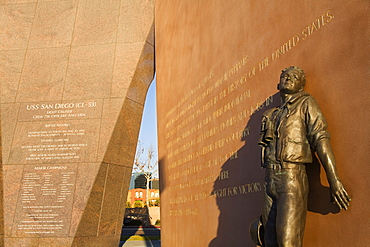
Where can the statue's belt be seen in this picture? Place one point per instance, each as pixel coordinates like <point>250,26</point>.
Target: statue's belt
<point>286,165</point>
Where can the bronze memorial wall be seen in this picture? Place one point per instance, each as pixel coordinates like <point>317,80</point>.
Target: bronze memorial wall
<point>74,75</point>
<point>218,65</point>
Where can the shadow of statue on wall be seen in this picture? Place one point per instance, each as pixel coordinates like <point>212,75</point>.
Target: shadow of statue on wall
<point>319,194</point>
<point>239,197</point>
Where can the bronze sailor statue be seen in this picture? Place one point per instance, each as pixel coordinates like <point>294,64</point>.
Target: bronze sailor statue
<point>289,135</point>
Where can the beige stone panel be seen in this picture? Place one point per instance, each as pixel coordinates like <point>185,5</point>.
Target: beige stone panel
<point>190,42</point>
<point>86,175</point>
<point>50,188</point>
<point>60,111</point>
<point>151,35</point>
<point>112,201</point>
<point>136,18</point>
<point>55,242</point>
<point>125,134</point>
<point>11,63</point>
<point>96,22</point>
<point>143,76</point>
<point>126,60</point>
<point>43,74</point>
<point>89,222</point>
<point>9,114</point>
<point>12,183</point>
<point>34,142</point>
<point>53,24</point>
<point>111,110</point>
<point>89,72</point>
<point>97,241</point>
<point>1,203</point>
<point>121,210</point>
<point>22,242</point>
<point>40,1</point>
<point>15,25</point>
<point>16,1</point>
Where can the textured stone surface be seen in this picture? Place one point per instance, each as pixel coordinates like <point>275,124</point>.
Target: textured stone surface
<point>43,75</point>
<point>53,24</point>
<point>9,113</point>
<point>126,60</point>
<point>11,63</point>
<point>1,198</point>
<point>124,133</point>
<point>86,176</point>
<point>12,180</point>
<point>17,1</point>
<point>114,201</point>
<point>96,22</point>
<point>65,111</point>
<point>16,23</point>
<point>89,72</point>
<point>136,21</point>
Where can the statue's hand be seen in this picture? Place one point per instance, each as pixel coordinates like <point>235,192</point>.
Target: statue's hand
<point>340,195</point>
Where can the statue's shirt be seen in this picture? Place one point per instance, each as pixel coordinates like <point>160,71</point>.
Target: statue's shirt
<point>290,132</point>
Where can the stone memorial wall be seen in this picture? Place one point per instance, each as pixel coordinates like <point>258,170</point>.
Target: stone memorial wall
<point>74,75</point>
<point>218,64</point>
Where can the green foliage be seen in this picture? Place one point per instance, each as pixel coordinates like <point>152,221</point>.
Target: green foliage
<point>128,204</point>
<point>138,204</point>
<point>155,203</point>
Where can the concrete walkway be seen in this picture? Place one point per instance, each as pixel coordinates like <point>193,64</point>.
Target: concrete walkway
<point>140,231</point>
<point>151,243</point>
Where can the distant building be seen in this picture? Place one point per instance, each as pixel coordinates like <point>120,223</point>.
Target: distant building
<point>137,190</point>
<point>155,184</point>
<point>132,181</point>
<point>140,195</point>
<point>138,181</point>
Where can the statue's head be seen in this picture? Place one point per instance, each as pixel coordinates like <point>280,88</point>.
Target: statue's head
<point>292,80</point>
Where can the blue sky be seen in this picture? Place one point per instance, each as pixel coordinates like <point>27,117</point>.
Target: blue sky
<point>148,129</point>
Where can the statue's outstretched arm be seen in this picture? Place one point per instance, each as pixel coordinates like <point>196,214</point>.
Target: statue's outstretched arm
<point>339,194</point>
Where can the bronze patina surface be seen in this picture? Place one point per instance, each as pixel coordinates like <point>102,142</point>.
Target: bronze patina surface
<point>289,135</point>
